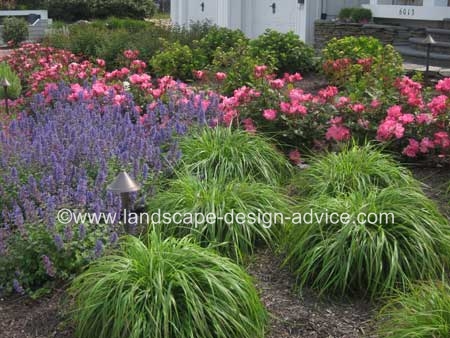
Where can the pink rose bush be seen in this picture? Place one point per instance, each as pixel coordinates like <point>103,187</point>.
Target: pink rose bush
<point>412,120</point>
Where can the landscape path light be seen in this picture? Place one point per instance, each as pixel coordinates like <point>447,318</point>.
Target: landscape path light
<point>429,41</point>
<point>124,185</point>
<point>5,84</point>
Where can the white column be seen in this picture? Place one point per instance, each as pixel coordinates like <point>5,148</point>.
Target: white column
<point>183,12</point>
<point>428,3</point>
<point>247,17</point>
<point>174,11</point>
<point>373,2</point>
<point>224,13</point>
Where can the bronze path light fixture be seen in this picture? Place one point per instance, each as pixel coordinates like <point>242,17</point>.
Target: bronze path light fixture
<point>124,185</point>
<point>429,41</point>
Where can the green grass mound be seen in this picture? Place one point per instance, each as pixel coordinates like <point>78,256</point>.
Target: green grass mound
<point>166,289</point>
<point>234,235</point>
<point>234,154</point>
<point>424,312</point>
<point>400,236</point>
<point>356,168</point>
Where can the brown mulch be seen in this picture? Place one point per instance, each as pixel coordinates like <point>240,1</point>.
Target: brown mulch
<point>295,315</point>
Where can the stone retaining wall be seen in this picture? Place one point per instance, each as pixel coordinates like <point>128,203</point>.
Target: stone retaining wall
<point>326,30</point>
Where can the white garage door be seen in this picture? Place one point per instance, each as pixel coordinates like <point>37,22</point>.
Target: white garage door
<point>281,15</point>
<point>200,10</point>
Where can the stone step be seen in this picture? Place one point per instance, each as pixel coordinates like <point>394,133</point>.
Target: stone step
<point>440,46</point>
<point>439,34</point>
<point>419,56</point>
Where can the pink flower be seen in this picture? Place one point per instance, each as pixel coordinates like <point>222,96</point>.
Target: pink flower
<point>277,84</point>
<point>131,54</point>
<point>406,118</point>
<point>291,78</point>
<point>260,71</point>
<point>424,118</point>
<point>199,74</point>
<point>249,126</point>
<point>425,145</point>
<point>119,99</point>
<point>125,71</point>
<point>442,139</point>
<point>329,92</point>
<point>221,76</point>
<point>438,105</point>
<point>342,101</point>
<point>443,85</point>
<point>101,62</point>
<point>337,133</point>
<point>389,128</point>
<point>358,107</point>
<point>394,112</point>
<point>412,149</point>
<point>99,88</point>
<point>375,103</point>
<point>295,156</point>
<point>270,114</point>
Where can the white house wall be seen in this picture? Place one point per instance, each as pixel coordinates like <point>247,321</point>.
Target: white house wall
<point>254,16</point>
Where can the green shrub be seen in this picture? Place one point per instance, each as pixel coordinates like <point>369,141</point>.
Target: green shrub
<point>15,88</point>
<point>191,195</point>
<point>361,15</point>
<point>220,37</point>
<point>15,30</point>
<point>166,288</point>
<point>361,66</point>
<point>176,60</point>
<point>234,154</point>
<point>345,13</point>
<point>138,9</point>
<point>355,168</point>
<point>422,312</point>
<point>348,257</point>
<point>352,47</point>
<point>239,65</point>
<point>287,50</point>
<point>73,10</point>
<point>355,14</point>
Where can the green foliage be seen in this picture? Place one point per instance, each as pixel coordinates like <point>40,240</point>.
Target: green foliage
<point>73,10</point>
<point>371,258</point>
<point>362,66</point>
<point>239,64</point>
<point>138,9</point>
<point>107,39</point>
<point>423,312</point>
<point>15,88</point>
<point>354,168</point>
<point>233,154</point>
<point>352,47</point>
<point>220,37</point>
<point>15,30</point>
<point>166,289</point>
<point>176,60</point>
<point>191,195</point>
<point>24,257</point>
<point>287,50</point>
<point>355,14</point>
<point>400,237</point>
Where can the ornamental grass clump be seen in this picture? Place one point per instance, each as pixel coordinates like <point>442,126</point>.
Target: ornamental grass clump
<point>234,154</point>
<point>192,195</point>
<point>166,289</point>
<point>393,236</point>
<point>422,312</point>
<point>390,233</point>
<point>355,168</point>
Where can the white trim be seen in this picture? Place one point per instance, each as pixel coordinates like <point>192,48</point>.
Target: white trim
<point>431,13</point>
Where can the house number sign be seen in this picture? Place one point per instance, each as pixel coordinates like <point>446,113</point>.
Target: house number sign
<point>406,11</point>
